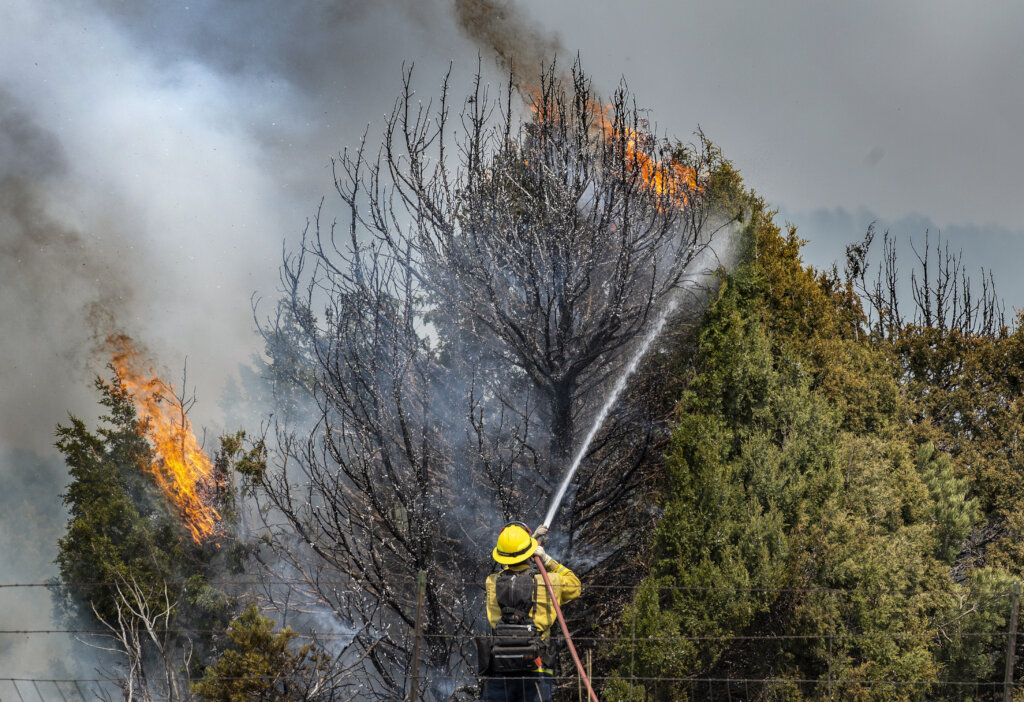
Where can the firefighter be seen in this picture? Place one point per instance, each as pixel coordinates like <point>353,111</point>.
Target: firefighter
<point>521,616</point>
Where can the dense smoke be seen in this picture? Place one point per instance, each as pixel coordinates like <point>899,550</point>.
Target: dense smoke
<point>101,230</point>
<point>60,285</point>
<point>102,233</point>
<point>500,26</point>
<point>59,282</point>
<point>150,165</point>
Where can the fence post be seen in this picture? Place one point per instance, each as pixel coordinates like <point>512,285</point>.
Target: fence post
<point>421,591</point>
<point>1011,644</point>
<point>590,662</point>
<point>831,638</point>
<point>632,649</point>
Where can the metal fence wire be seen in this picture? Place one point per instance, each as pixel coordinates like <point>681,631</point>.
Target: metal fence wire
<point>615,670</point>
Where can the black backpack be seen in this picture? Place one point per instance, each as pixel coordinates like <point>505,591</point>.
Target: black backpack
<point>515,645</point>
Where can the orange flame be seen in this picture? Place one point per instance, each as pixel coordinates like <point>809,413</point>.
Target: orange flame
<point>670,179</point>
<point>180,468</point>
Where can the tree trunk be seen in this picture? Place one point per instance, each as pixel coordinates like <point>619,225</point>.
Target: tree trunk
<point>562,429</point>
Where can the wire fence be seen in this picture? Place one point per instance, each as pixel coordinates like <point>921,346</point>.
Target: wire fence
<point>621,657</point>
<point>704,689</point>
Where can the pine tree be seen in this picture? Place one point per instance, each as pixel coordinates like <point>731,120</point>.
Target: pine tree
<point>263,665</point>
<point>127,561</point>
<point>119,529</point>
<point>805,536</point>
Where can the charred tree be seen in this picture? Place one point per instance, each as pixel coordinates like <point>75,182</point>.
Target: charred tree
<point>485,286</point>
<point>363,492</point>
<point>549,245</point>
<point>942,294</point>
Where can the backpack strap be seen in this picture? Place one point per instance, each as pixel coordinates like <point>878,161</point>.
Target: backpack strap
<point>516,594</point>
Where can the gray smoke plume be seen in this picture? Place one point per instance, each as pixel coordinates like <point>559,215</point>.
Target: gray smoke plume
<point>152,158</point>
<point>60,284</point>
<point>521,44</point>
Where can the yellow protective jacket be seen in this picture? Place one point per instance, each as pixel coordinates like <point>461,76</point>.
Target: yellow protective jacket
<point>563,581</point>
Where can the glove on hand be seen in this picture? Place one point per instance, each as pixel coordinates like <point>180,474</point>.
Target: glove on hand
<point>544,557</point>
<point>540,531</point>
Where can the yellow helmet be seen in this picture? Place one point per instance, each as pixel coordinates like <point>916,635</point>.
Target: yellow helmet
<point>515,544</point>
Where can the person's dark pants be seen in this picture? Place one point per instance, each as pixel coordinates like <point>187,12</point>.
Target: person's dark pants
<point>519,687</point>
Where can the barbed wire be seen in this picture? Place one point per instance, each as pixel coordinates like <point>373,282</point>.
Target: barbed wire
<point>482,584</point>
<point>638,678</point>
<point>471,680</point>
<point>934,631</point>
<point>641,678</point>
<point>895,636</point>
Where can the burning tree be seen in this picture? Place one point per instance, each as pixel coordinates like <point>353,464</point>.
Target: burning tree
<point>549,249</point>
<point>180,468</point>
<point>151,519</point>
<point>489,285</point>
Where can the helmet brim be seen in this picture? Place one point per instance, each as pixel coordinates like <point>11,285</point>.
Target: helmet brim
<point>512,559</point>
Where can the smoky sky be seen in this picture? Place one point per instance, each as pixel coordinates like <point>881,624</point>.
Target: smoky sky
<point>500,27</point>
<point>906,107</point>
<point>59,282</point>
<point>178,144</point>
<point>977,246</point>
<point>154,156</point>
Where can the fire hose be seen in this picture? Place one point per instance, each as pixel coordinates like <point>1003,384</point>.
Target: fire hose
<point>565,629</point>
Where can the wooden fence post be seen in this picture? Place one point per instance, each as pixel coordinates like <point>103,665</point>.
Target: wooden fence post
<point>632,648</point>
<point>421,591</point>
<point>832,616</point>
<point>1011,644</point>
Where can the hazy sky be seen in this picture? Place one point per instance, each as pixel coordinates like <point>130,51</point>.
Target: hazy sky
<point>155,155</point>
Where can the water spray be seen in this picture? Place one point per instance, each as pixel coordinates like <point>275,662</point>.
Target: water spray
<point>620,385</point>
<point>645,344</point>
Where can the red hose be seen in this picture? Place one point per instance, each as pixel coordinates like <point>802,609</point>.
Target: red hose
<point>565,630</point>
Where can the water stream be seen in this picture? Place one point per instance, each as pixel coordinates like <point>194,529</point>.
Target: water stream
<point>613,397</point>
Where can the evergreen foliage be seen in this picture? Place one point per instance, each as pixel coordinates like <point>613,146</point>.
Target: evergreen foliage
<point>809,508</point>
<point>262,665</point>
<point>125,549</point>
<point>118,529</point>
<point>952,513</point>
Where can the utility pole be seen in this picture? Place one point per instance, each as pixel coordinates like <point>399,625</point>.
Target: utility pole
<point>1011,644</point>
<point>421,591</point>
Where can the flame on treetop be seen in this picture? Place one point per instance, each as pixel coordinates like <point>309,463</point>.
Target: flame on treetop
<point>180,468</point>
<point>667,178</point>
